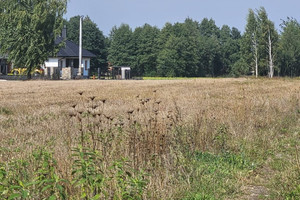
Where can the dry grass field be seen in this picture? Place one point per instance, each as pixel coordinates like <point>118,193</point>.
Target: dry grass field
<point>151,139</point>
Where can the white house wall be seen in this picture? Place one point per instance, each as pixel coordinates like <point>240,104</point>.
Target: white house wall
<point>51,62</point>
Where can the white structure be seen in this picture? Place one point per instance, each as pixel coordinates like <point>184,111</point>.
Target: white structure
<point>123,72</point>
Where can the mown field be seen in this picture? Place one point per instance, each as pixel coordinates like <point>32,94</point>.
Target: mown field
<point>150,139</point>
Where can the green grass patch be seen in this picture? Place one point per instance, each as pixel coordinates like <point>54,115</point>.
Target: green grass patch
<point>170,78</point>
<point>216,175</point>
<point>5,111</point>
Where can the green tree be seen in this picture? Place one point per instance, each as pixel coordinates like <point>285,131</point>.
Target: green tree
<point>92,40</point>
<point>122,46</point>
<point>179,56</point>
<point>289,48</point>
<point>147,48</point>
<point>210,56</point>
<point>230,48</point>
<point>250,44</point>
<point>168,58</point>
<point>258,46</point>
<point>28,29</point>
<point>268,40</point>
<point>209,28</point>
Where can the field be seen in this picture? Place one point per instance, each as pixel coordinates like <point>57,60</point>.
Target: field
<point>150,139</point>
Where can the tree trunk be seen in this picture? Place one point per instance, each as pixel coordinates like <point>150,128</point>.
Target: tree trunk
<point>29,73</point>
<point>271,73</point>
<point>256,61</point>
<point>255,46</point>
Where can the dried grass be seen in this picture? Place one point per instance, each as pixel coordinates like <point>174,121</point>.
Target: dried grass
<point>215,115</point>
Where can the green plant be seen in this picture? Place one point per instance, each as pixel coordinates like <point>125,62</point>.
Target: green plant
<point>295,194</point>
<point>15,181</point>
<point>130,184</point>
<point>47,182</point>
<point>5,111</point>
<point>87,173</point>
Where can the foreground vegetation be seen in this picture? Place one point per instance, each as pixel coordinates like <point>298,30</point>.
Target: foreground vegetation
<point>151,139</point>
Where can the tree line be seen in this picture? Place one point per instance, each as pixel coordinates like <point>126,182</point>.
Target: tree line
<point>189,49</point>
<point>197,49</point>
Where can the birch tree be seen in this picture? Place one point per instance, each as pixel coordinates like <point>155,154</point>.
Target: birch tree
<point>268,41</point>
<point>251,39</point>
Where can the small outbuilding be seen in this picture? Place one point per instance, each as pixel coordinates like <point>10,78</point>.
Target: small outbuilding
<point>120,72</point>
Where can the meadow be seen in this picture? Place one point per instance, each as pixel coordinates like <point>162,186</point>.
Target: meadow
<point>150,139</point>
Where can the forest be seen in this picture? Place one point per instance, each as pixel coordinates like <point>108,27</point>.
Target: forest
<point>196,49</point>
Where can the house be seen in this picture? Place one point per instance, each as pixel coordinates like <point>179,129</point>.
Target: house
<point>66,63</point>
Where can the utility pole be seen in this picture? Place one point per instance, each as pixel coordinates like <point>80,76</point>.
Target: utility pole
<point>80,48</point>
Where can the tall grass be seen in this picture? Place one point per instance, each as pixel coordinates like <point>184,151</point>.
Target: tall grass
<point>183,139</point>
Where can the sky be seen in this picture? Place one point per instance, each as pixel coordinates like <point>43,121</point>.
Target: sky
<point>135,13</point>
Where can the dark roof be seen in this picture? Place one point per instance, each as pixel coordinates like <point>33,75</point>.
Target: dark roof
<point>72,50</point>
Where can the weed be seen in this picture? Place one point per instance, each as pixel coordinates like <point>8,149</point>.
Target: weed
<point>5,111</point>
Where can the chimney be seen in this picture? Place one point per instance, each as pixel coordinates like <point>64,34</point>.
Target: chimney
<point>64,32</point>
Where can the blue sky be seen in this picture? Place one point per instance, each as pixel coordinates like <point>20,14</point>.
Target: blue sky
<point>107,13</point>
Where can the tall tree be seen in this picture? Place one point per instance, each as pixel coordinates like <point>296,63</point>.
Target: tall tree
<point>252,39</point>
<point>230,48</point>
<point>179,56</point>
<point>92,40</point>
<point>146,51</point>
<point>210,57</point>
<point>209,28</point>
<point>122,47</point>
<point>268,38</point>
<point>28,29</point>
<point>168,58</point>
<point>259,43</point>
<point>289,48</point>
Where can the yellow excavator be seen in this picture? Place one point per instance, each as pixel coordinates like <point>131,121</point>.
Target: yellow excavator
<point>23,71</point>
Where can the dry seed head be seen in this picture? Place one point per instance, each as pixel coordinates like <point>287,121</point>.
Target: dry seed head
<point>158,102</point>
<point>92,98</point>
<point>95,106</point>
<point>97,112</point>
<point>103,100</point>
<point>80,110</point>
<point>79,118</point>
<point>72,113</point>
<point>130,111</point>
